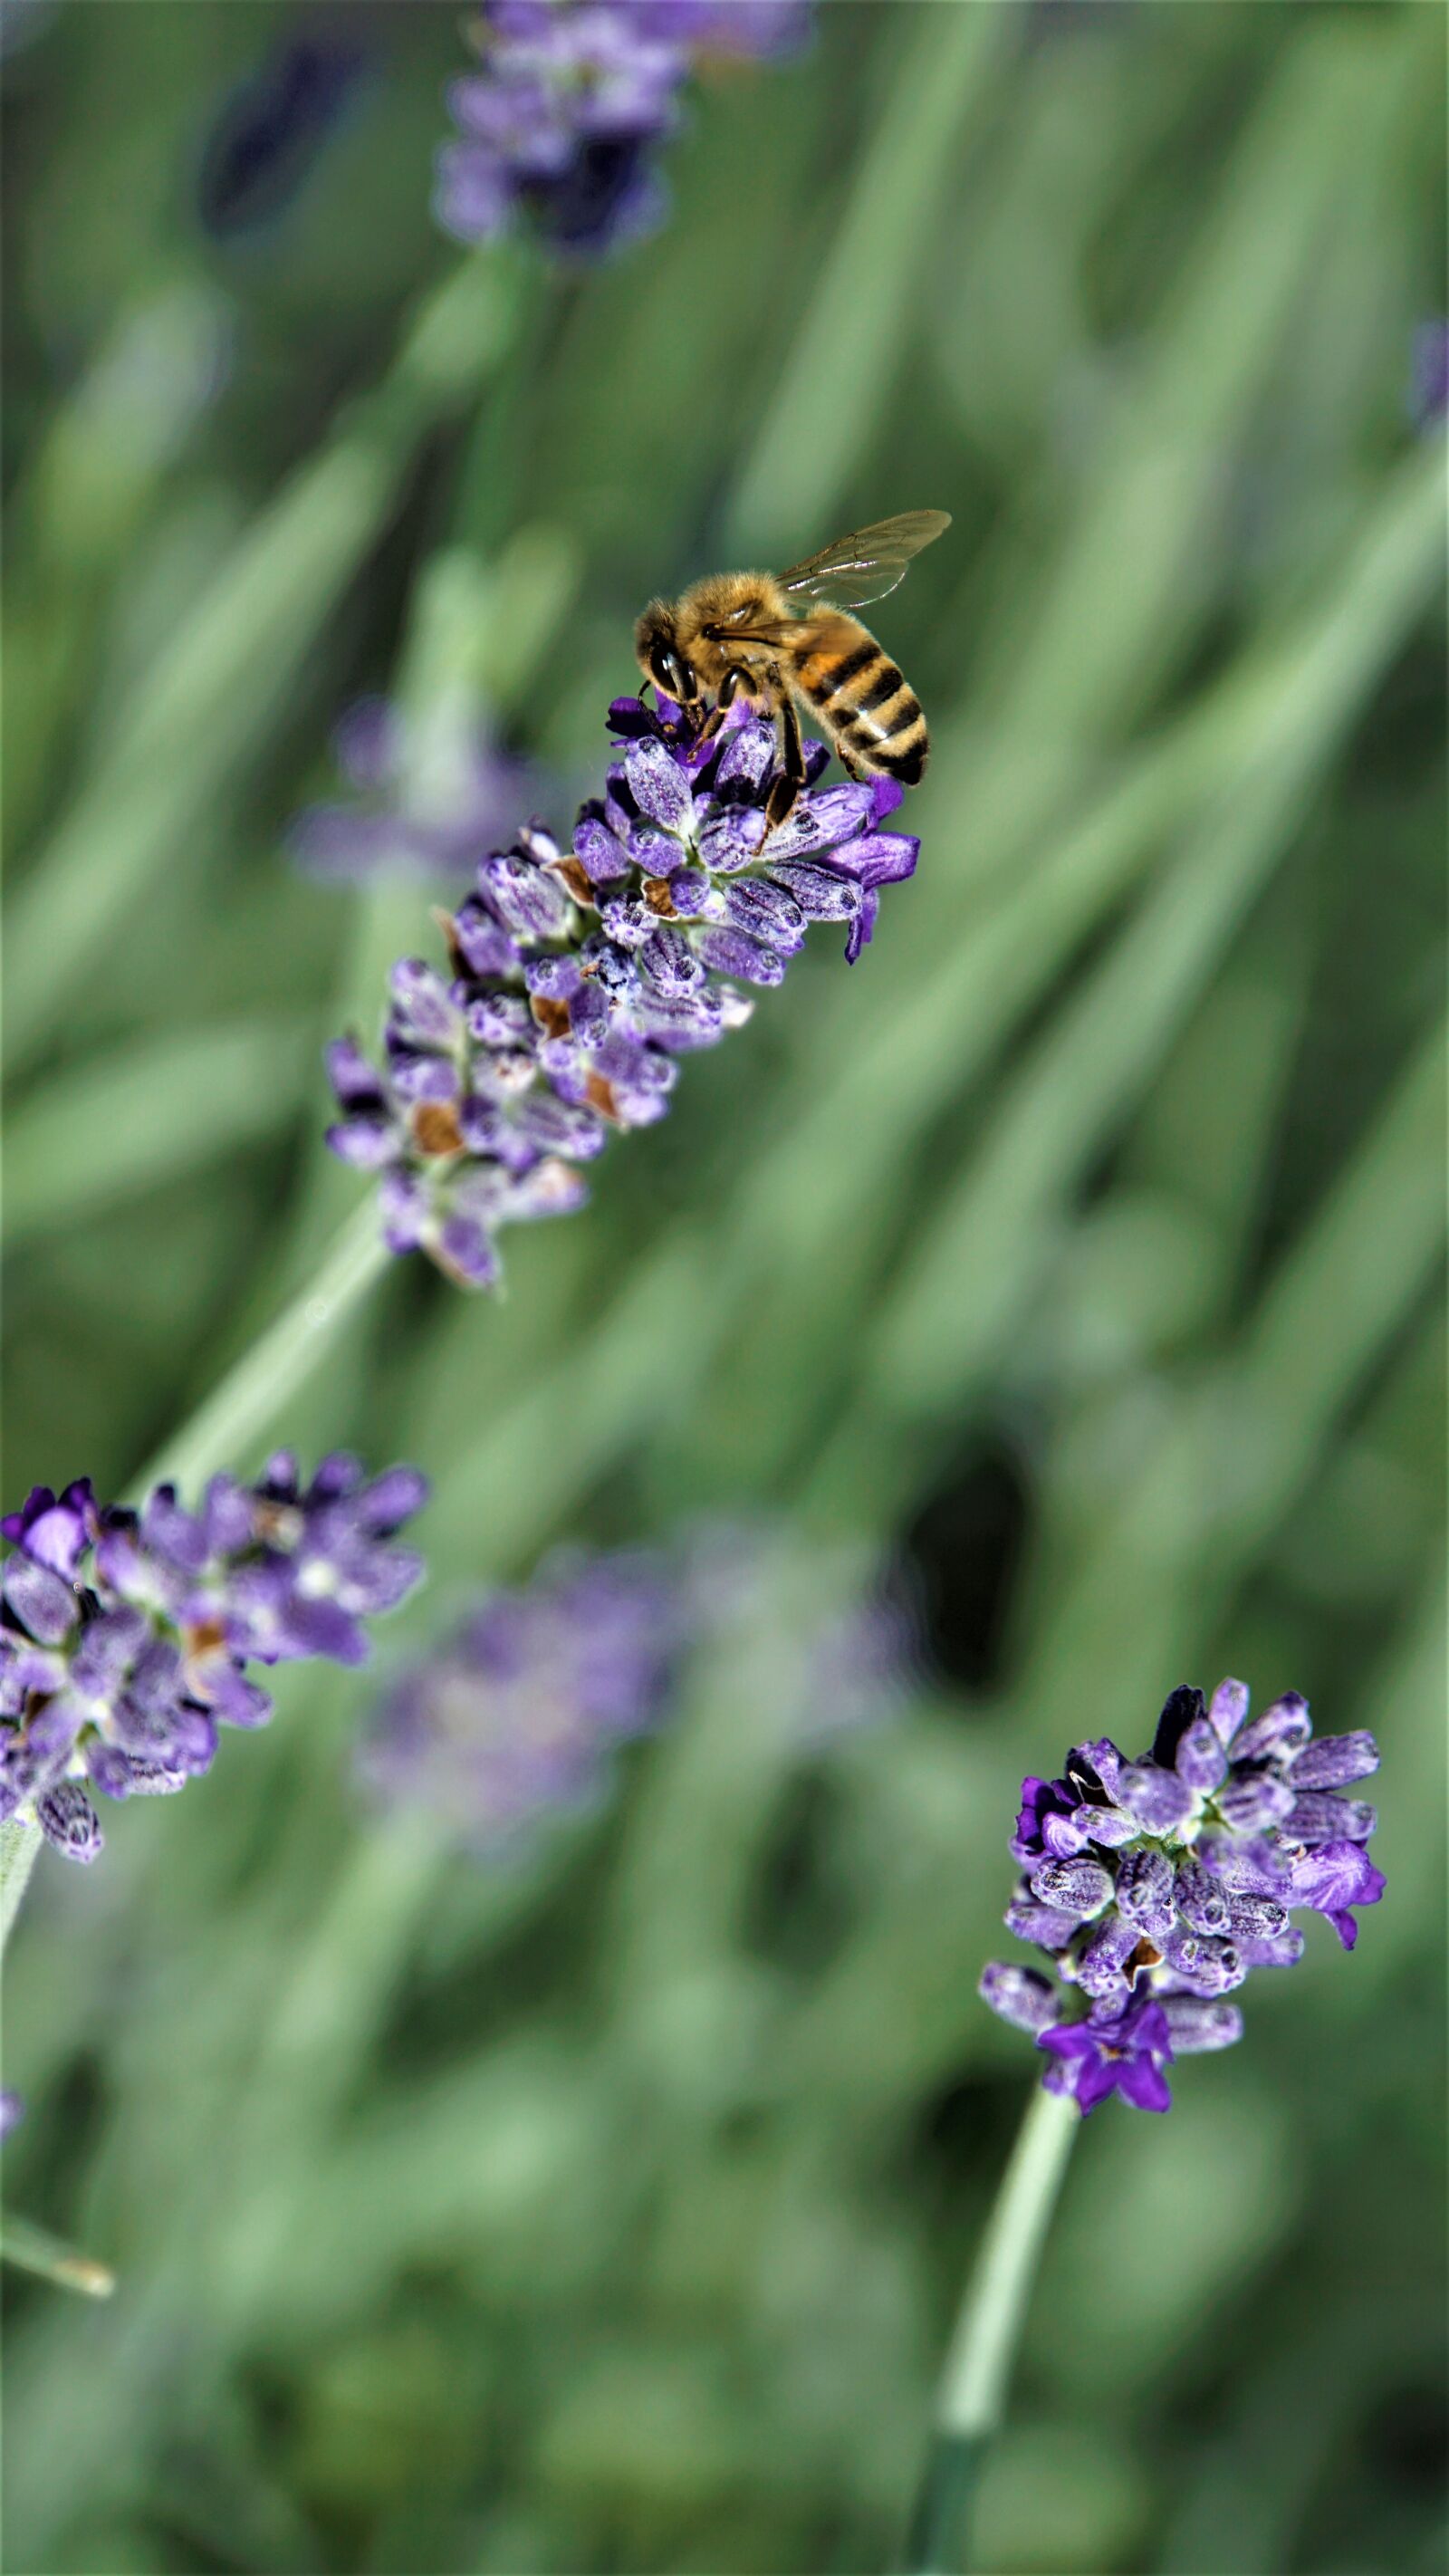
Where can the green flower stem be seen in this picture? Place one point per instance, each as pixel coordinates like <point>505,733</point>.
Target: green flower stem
<point>229,1424</point>
<point>972,2396</point>
<point>19,1844</point>
<point>34,2249</point>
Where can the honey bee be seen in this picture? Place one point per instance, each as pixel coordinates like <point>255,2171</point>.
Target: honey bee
<point>776,637</point>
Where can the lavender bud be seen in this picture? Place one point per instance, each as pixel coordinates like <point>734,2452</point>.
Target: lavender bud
<point>1320,1818</point>
<point>1200,1899</point>
<point>69,1821</point>
<point>1207,1966</point>
<point>1285,1723</point>
<point>1101,1964</point>
<point>1201,1761</point>
<point>1079,1887</point>
<point>1334,1760</point>
<point>1250,1800</point>
<point>1197,2025</point>
<point>1145,1891</point>
<point>1181,1711</point>
<point>1158,1799</point>
<point>1227,1709</point>
<point>1046,1925</point>
<point>1021,1996</point>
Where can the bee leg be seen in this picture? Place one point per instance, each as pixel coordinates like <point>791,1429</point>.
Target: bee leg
<point>785,794</point>
<point>729,688</point>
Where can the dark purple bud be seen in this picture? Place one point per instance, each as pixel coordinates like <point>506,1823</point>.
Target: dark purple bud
<point>1180,1711</point>
<point>1158,1799</point>
<point>1078,1887</point>
<point>1201,1899</point>
<point>1333,1760</point>
<point>68,1820</point>
<point>1144,1891</point>
<point>1021,1996</point>
<point>1283,1724</point>
<point>1197,2025</point>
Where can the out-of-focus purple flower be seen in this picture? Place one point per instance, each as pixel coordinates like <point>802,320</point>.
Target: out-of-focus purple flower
<point>270,130</point>
<point>580,976</point>
<point>516,1718</point>
<point>434,828</point>
<point>1429,376</point>
<point>1156,1886</point>
<point>12,2112</point>
<point>560,126</point>
<point>125,1636</point>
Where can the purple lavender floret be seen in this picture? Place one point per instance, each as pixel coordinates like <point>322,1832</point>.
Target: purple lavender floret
<point>1156,1886</point>
<point>581,976</point>
<point>559,128</point>
<point>518,1715</point>
<point>399,817</point>
<point>125,1636</point>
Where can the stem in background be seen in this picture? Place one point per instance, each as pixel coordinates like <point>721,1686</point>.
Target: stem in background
<point>230,1422</point>
<point>19,1844</point>
<point>972,2396</point>
<point>34,2249</point>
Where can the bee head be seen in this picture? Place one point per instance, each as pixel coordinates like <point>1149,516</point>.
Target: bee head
<point>656,645</point>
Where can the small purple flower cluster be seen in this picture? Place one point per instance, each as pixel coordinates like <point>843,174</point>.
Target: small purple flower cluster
<point>1157,1885</point>
<point>561,124</point>
<point>580,976</point>
<point>390,826</point>
<point>125,1636</point>
<point>518,1715</point>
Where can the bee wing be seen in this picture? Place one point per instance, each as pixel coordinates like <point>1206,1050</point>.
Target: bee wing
<point>868,564</point>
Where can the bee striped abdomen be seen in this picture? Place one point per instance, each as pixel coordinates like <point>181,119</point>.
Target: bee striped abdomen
<point>875,714</point>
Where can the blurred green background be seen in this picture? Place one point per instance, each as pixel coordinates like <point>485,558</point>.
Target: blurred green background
<point>1077,1251</point>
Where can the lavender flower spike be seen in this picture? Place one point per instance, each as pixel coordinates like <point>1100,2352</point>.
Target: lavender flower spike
<point>125,1637</point>
<point>391,824</point>
<point>1156,1886</point>
<point>581,976</point>
<point>517,1716</point>
<point>559,127</point>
